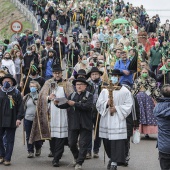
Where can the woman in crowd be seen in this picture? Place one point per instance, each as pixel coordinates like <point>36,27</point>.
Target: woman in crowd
<point>8,62</point>
<point>18,61</point>
<point>146,91</point>
<point>82,64</point>
<point>30,101</point>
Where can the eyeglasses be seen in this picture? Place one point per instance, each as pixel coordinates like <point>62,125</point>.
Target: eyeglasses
<point>80,84</point>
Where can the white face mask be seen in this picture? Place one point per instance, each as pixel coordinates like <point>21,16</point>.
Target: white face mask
<point>114,79</point>
<point>84,62</point>
<point>102,69</point>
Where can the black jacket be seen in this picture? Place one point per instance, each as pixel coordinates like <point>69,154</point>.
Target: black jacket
<point>8,116</point>
<point>62,47</point>
<point>27,62</point>
<point>53,25</point>
<point>160,78</point>
<point>80,115</point>
<point>44,24</point>
<point>129,120</point>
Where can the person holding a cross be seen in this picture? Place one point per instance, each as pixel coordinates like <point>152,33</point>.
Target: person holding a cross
<point>114,105</point>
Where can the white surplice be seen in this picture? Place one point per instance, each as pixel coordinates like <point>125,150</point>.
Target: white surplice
<point>114,127</point>
<point>59,122</point>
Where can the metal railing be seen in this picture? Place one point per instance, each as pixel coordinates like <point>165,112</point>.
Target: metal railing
<point>28,14</point>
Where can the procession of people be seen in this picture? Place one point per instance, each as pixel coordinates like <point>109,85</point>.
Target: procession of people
<point>110,81</point>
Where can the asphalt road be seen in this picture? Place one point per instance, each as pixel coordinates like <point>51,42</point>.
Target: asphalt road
<point>144,156</point>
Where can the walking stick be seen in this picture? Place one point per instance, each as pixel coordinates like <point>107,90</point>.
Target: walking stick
<point>41,67</point>
<point>60,52</point>
<point>95,131</point>
<point>27,79</point>
<point>23,133</point>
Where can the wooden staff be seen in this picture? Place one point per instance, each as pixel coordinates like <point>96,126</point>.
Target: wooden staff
<point>23,133</point>
<point>21,74</point>
<point>41,67</point>
<point>95,131</point>
<point>60,52</point>
<point>27,79</point>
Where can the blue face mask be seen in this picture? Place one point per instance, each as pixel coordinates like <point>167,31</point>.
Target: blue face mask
<point>33,89</point>
<point>6,85</point>
<point>114,80</point>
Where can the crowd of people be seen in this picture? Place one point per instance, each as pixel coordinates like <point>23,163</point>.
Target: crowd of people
<point>111,79</point>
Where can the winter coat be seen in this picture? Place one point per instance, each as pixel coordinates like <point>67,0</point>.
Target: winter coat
<point>162,113</point>
<point>80,115</point>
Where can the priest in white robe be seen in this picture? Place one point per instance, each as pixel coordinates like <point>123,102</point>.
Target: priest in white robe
<point>112,129</point>
<point>51,122</point>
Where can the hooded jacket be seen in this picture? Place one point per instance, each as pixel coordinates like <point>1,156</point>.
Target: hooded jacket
<point>162,113</point>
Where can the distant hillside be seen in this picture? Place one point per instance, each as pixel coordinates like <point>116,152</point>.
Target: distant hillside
<point>9,13</point>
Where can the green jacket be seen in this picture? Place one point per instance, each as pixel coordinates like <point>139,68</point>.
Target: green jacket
<point>156,56</point>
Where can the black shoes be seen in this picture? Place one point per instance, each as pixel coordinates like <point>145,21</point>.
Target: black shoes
<point>55,163</point>
<point>50,155</point>
<point>113,167</point>
<point>109,164</point>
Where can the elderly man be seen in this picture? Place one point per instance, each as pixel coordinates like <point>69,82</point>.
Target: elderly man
<point>12,112</point>
<point>80,122</point>
<point>53,88</point>
<point>122,65</point>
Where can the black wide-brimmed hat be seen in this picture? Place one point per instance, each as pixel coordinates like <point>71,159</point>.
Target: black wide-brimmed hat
<point>116,72</point>
<point>94,69</point>
<point>56,68</point>
<point>81,72</point>
<point>80,79</point>
<point>8,76</point>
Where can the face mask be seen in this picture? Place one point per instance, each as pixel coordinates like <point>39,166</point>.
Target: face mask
<point>144,75</point>
<point>168,64</point>
<point>95,60</point>
<point>28,52</point>
<point>84,62</point>
<point>0,53</point>
<point>102,69</point>
<point>6,85</point>
<point>38,44</point>
<point>101,61</point>
<point>7,58</point>
<point>33,89</point>
<point>114,80</point>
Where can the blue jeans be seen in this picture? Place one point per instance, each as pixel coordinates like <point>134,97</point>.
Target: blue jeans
<point>9,133</point>
<point>37,144</point>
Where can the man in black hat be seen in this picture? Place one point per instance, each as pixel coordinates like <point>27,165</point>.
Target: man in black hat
<point>12,112</point>
<point>81,73</point>
<point>57,133</point>
<point>95,88</point>
<point>80,123</point>
<point>112,127</point>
